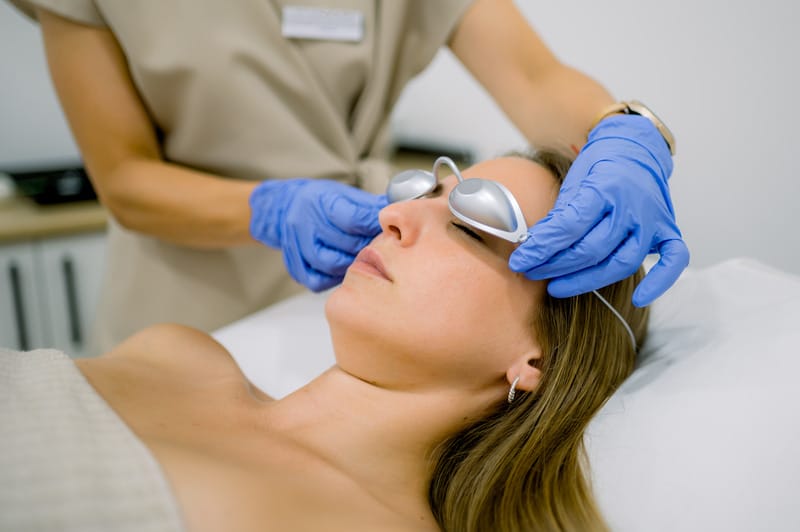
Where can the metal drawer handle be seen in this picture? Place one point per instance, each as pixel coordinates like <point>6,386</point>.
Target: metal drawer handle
<point>19,307</point>
<point>73,309</point>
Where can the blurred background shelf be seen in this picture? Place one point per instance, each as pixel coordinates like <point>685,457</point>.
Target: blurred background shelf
<point>22,219</point>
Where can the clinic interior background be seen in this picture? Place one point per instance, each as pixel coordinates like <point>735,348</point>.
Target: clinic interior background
<point>722,74</point>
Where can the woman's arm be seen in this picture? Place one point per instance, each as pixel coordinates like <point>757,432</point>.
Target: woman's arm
<point>581,245</point>
<point>551,104</point>
<point>118,143</point>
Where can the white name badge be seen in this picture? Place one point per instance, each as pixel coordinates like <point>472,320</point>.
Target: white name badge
<point>322,24</point>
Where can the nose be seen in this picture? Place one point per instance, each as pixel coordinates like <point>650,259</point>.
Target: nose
<point>403,221</point>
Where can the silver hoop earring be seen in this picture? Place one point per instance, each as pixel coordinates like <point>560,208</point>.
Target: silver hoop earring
<point>513,390</point>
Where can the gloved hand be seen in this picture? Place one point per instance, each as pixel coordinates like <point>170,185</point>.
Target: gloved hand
<point>613,209</point>
<point>319,225</point>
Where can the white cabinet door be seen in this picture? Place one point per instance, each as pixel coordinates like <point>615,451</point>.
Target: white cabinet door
<point>23,321</point>
<point>72,269</point>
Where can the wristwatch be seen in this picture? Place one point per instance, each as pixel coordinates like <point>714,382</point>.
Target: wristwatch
<point>634,107</point>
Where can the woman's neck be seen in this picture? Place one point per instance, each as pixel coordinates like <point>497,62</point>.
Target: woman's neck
<point>383,439</point>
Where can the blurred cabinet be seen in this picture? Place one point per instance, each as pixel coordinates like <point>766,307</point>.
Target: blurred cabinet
<point>22,324</point>
<point>49,290</point>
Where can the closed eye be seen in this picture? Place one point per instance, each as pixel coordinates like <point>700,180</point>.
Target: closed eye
<point>468,231</point>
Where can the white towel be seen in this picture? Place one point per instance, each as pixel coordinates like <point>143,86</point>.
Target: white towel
<point>67,461</point>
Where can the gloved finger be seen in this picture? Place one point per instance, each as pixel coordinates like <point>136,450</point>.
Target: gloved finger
<point>319,282</point>
<point>304,273</point>
<point>328,261</point>
<point>674,259</point>
<point>622,263</point>
<point>566,224</point>
<point>333,238</point>
<point>354,211</point>
<point>592,249</point>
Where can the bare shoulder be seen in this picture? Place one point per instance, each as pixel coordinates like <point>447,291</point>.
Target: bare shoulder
<point>165,359</point>
<point>172,345</point>
<point>164,336</point>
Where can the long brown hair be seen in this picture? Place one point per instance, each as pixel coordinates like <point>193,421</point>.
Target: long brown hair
<point>522,468</point>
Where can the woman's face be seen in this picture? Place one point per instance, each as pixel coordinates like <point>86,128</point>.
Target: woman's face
<point>431,302</point>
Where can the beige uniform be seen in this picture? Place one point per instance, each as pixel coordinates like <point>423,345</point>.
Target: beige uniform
<point>232,96</point>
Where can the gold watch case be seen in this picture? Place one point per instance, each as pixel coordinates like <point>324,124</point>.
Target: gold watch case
<point>635,107</point>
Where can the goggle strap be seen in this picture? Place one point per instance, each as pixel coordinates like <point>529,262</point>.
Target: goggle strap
<point>619,317</point>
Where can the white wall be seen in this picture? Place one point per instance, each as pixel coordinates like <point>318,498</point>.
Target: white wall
<point>722,74</point>
<point>33,130</point>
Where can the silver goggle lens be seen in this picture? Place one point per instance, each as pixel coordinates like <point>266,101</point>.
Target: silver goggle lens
<point>410,184</point>
<point>484,202</point>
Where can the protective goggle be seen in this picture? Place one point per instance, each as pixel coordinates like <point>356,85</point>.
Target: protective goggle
<point>484,204</point>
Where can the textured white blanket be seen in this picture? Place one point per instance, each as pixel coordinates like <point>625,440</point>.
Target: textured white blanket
<point>67,461</point>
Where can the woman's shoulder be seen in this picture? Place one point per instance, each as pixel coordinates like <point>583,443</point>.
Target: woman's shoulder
<point>170,347</point>
<point>168,340</point>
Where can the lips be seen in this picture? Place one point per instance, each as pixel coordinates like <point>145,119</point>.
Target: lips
<point>370,261</point>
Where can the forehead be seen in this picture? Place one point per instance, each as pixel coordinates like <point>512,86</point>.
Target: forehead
<point>533,186</point>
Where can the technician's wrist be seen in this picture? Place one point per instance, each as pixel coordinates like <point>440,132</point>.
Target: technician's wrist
<point>636,130</point>
<point>635,107</point>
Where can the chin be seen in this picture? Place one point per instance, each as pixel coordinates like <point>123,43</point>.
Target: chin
<point>356,304</point>
<point>358,323</point>
<point>334,304</point>
<point>347,314</point>
<point>352,331</point>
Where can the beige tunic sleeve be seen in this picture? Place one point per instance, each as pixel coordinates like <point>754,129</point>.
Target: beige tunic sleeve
<point>83,11</point>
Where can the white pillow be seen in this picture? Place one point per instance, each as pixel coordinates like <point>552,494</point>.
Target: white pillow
<point>702,436</point>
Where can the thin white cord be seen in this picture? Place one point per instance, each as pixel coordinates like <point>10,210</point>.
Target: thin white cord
<point>619,317</point>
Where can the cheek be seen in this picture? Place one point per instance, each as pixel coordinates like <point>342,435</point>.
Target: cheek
<point>471,312</point>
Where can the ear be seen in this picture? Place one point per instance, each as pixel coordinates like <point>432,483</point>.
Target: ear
<point>526,367</point>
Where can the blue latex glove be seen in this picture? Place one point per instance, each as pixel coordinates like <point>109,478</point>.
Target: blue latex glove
<point>613,209</point>
<point>319,225</point>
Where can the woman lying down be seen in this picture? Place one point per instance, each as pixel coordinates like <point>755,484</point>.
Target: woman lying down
<point>458,400</point>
